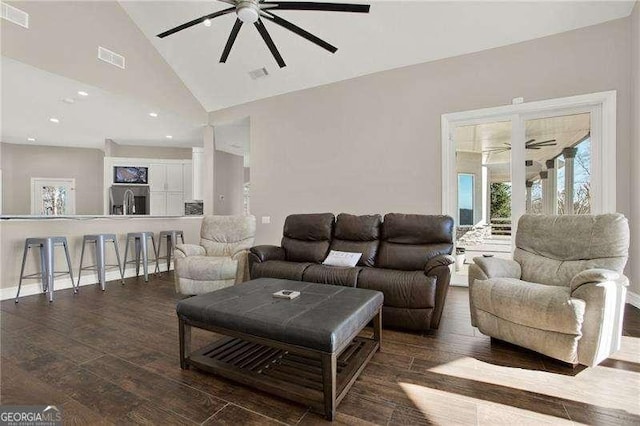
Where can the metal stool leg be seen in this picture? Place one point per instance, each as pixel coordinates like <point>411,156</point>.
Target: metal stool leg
<point>145,258</point>
<point>100,263</point>
<point>169,244</point>
<point>137,247</point>
<point>153,243</point>
<point>126,252</point>
<point>43,268</point>
<point>48,253</point>
<point>24,261</point>
<point>157,270</point>
<point>66,252</point>
<point>120,266</point>
<point>84,243</point>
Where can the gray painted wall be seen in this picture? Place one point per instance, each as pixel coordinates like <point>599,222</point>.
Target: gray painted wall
<point>372,144</point>
<point>162,152</point>
<point>22,162</point>
<point>52,44</point>
<point>228,183</point>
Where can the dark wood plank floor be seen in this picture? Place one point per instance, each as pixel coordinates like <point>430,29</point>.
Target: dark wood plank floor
<point>112,358</point>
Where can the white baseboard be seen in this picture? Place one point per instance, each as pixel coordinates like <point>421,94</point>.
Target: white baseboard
<point>633,299</point>
<point>31,287</point>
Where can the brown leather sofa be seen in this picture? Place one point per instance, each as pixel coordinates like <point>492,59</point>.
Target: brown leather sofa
<point>406,257</point>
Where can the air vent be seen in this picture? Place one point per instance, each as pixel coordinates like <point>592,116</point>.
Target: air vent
<point>259,73</point>
<point>15,15</point>
<point>110,57</point>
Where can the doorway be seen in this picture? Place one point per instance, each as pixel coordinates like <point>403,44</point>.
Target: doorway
<point>545,157</point>
<point>53,196</point>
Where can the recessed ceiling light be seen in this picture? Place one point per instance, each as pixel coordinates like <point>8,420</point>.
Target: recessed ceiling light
<point>68,100</point>
<point>31,139</point>
<point>54,120</point>
<point>207,22</point>
<point>169,137</point>
<point>153,114</point>
<point>82,93</point>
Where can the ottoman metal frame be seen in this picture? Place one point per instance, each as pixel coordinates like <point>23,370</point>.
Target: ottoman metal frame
<point>316,378</point>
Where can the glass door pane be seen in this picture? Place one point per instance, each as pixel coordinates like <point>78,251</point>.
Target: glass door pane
<point>558,164</point>
<point>483,170</point>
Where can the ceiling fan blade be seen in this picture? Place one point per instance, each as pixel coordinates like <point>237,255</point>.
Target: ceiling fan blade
<point>195,22</point>
<point>269,42</point>
<point>547,142</point>
<point>529,141</point>
<point>296,29</point>
<point>231,40</point>
<point>329,7</point>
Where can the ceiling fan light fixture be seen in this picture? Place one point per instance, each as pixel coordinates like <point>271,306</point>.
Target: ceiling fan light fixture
<point>248,11</point>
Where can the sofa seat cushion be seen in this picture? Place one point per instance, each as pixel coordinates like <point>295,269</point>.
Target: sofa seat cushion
<point>539,306</point>
<point>279,269</point>
<point>207,268</point>
<point>336,275</point>
<point>402,289</point>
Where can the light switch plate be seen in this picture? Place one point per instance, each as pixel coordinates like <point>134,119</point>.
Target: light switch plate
<point>266,219</point>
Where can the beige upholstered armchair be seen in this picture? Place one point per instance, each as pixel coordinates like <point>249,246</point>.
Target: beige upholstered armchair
<point>221,258</point>
<point>563,294</point>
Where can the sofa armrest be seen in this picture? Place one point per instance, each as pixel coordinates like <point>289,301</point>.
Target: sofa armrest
<point>495,267</point>
<point>264,253</point>
<point>595,275</point>
<point>602,323</point>
<point>438,267</point>
<point>242,273</point>
<point>185,250</point>
<point>440,260</point>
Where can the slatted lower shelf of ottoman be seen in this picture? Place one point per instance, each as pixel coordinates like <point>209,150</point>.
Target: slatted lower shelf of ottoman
<point>281,371</point>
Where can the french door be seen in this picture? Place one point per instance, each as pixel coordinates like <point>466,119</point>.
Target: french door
<point>546,157</point>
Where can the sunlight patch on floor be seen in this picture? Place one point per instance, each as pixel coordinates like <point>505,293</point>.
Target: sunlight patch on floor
<point>614,385</point>
<point>431,403</point>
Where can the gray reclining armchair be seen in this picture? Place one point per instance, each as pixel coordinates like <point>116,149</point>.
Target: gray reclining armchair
<point>221,258</point>
<point>563,295</point>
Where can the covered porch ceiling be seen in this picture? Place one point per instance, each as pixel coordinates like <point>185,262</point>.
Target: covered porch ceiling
<point>492,141</point>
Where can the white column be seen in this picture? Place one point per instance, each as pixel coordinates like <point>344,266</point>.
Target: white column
<point>552,185</point>
<point>197,172</point>
<point>529,201</point>
<point>209,161</point>
<point>485,196</point>
<point>545,189</point>
<point>569,178</point>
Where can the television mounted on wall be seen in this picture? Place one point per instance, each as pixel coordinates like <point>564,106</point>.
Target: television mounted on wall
<point>131,175</point>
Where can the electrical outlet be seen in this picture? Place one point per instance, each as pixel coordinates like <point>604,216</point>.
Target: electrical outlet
<point>266,219</point>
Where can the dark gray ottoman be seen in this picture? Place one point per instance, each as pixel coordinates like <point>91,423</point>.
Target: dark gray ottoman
<point>306,349</point>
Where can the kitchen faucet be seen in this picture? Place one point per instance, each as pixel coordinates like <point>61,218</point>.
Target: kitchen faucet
<point>129,202</point>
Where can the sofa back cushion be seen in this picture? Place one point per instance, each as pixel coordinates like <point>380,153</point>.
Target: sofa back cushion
<point>227,235</point>
<point>408,241</point>
<point>306,237</point>
<point>553,249</point>
<point>358,234</point>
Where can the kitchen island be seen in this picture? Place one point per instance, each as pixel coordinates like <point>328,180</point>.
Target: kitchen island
<point>15,229</point>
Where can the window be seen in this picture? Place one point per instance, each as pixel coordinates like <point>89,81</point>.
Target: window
<point>466,187</point>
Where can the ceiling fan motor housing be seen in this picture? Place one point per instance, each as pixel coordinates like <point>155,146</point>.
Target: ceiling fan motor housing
<point>248,11</point>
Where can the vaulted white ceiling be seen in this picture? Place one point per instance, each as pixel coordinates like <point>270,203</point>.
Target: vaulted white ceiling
<point>392,35</point>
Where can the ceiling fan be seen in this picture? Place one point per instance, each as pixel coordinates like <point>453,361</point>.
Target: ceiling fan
<point>251,12</point>
<point>530,144</point>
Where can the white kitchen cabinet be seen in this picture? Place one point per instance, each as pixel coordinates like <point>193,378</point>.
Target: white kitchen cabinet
<point>157,177</point>
<point>175,204</point>
<point>187,182</point>
<point>174,182</point>
<point>158,203</point>
<point>165,177</point>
